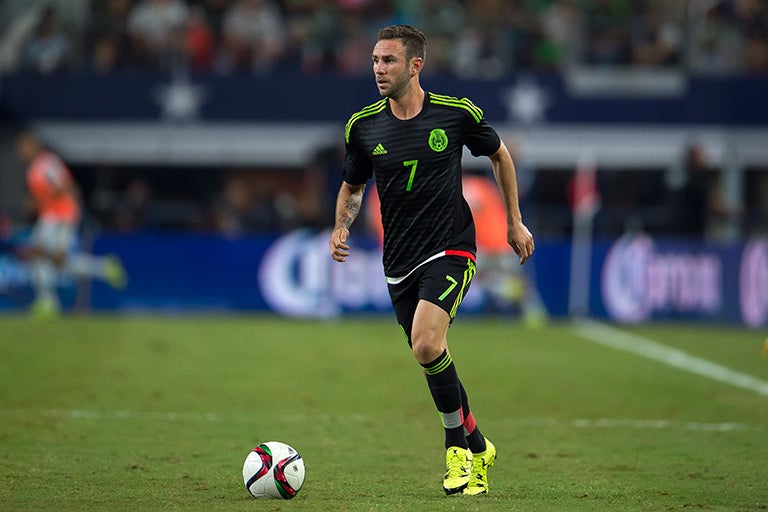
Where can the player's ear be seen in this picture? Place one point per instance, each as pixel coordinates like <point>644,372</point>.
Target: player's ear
<point>416,65</point>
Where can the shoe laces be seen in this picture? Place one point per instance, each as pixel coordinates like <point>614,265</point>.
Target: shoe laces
<point>456,463</point>
<point>477,479</point>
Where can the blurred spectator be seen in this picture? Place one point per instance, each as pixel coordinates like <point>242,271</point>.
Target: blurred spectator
<point>300,18</point>
<point>441,21</point>
<point>561,24</point>
<point>102,196</point>
<point>715,42</point>
<point>312,32</point>
<point>254,35</point>
<point>533,48</point>
<point>607,32</point>
<point>49,49</point>
<point>353,42</point>
<point>695,200</point>
<point>756,53</point>
<point>254,202</point>
<point>205,34</point>
<point>132,210</point>
<point>214,12</point>
<point>730,37</point>
<point>479,38</point>
<point>756,44</point>
<point>104,56</point>
<point>233,213</point>
<point>157,30</point>
<point>274,205</point>
<point>323,175</point>
<point>108,37</point>
<point>435,17</point>
<point>656,40</point>
<point>484,45</point>
<point>757,203</point>
<point>200,43</point>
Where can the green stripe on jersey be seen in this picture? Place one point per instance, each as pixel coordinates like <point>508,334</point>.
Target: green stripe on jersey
<point>370,110</point>
<point>451,101</point>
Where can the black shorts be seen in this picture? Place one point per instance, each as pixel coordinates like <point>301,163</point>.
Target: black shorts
<point>443,282</point>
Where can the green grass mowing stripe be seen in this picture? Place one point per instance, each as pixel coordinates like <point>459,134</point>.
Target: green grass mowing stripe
<point>362,419</point>
<point>639,345</point>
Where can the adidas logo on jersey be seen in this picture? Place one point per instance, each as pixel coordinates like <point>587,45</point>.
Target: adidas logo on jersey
<point>379,150</point>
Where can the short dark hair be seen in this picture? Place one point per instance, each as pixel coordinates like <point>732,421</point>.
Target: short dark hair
<point>414,40</point>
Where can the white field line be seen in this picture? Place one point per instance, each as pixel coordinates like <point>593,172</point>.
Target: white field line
<point>191,417</point>
<point>639,345</point>
<point>84,414</point>
<point>632,424</point>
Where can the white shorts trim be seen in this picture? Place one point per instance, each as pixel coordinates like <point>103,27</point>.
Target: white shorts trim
<point>398,280</point>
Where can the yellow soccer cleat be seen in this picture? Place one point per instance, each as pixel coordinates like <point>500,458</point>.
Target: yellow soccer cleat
<point>478,482</point>
<point>45,308</point>
<point>458,467</point>
<point>114,272</point>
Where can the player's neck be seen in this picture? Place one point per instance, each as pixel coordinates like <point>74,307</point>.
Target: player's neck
<point>409,105</point>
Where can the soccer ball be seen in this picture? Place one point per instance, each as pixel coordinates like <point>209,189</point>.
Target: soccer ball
<point>273,470</point>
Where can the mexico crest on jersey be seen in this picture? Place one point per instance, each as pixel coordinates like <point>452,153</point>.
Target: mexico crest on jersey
<point>438,140</point>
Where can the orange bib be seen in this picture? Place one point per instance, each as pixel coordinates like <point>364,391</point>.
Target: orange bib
<point>50,183</point>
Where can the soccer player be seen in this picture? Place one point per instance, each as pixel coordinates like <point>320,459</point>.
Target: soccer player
<point>53,193</point>
<point>411,141</point>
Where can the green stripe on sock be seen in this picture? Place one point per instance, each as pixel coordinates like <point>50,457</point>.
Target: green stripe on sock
<point>439,366</point>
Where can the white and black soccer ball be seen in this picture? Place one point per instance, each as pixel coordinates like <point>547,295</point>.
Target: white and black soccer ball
<point>273,470</point>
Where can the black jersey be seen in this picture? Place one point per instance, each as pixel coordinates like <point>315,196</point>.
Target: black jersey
<point>417,166</point>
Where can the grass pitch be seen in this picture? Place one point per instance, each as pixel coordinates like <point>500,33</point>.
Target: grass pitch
<point>108,413</point>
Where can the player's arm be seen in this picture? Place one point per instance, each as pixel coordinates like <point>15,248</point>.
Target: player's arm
<point>348,204</point>
<point>518,236</point>
<point>60,181</point>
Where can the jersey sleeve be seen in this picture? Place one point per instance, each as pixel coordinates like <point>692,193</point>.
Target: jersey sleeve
<point>481,138</point>
<point>358,168</point>
<point>55,174</point>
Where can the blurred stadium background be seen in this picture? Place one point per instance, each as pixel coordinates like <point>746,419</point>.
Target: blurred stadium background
<point>206,138</point>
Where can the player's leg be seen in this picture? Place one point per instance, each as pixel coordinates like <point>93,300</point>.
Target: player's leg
<point>475,438</point>
<point>447,398</point>
<point>428,337</point>
<point>430,348</point>
<point>48,246</point>
<point>60,240</point>
<point>107,268</point>
<point>425,306</point>
<point>483,450</point>
<point>443,287</point>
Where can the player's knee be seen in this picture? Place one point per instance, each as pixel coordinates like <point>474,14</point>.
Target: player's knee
<point>426,346</point>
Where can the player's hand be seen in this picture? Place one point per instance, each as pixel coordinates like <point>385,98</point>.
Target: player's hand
<point>521,240</point>
<point>338,244</point>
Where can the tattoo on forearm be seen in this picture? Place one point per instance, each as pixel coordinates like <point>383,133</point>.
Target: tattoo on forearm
<point>351,209</point>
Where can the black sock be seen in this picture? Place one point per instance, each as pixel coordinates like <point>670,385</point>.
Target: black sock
<point>475,439</point>
<point>443,382</point>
